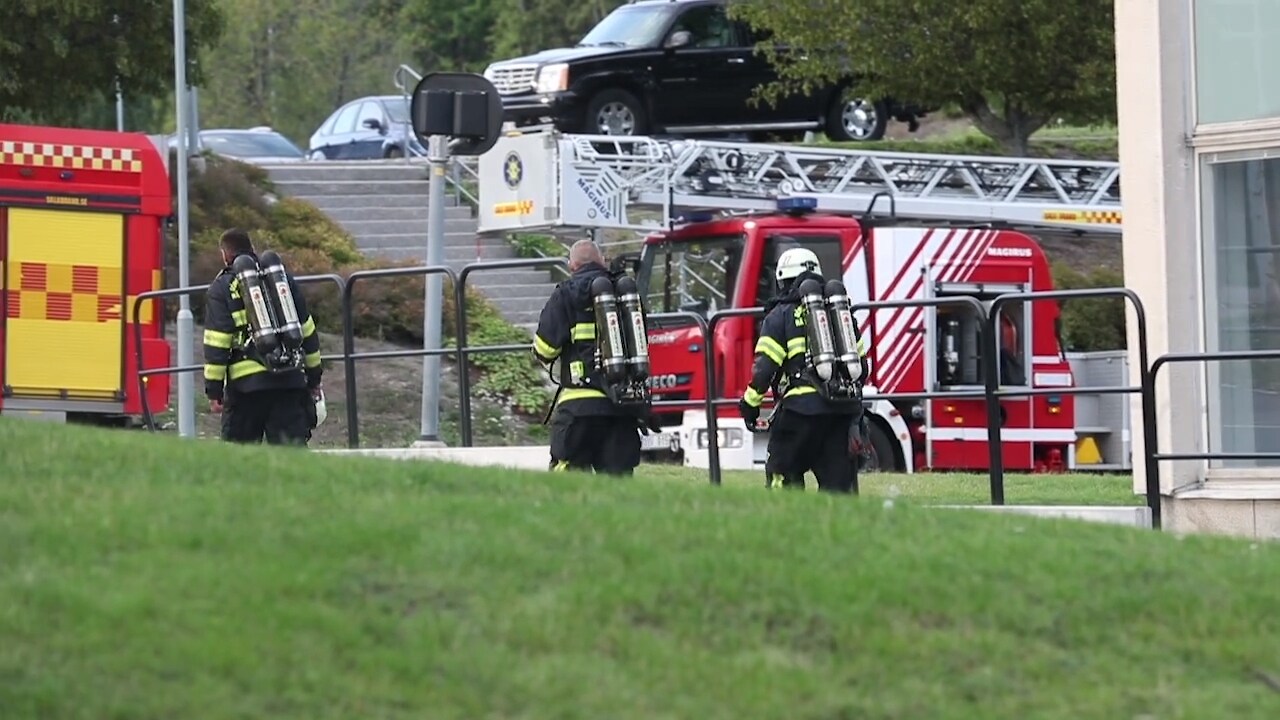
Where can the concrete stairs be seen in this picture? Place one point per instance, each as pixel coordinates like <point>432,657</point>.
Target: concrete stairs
<point>383,204</point>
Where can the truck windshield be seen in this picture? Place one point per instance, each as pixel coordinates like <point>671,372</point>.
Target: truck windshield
<point>696,276</point>
<point>629,26</point>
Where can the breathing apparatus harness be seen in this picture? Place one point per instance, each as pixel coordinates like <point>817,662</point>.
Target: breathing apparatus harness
<point>620,358</point>
<point>832,360</point>
<point>273,336</point>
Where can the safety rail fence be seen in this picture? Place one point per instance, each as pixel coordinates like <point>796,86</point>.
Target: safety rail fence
<point>1152,457</point>
<point>714,399</point>
<point>1145,387</point>
<point>135,314</point>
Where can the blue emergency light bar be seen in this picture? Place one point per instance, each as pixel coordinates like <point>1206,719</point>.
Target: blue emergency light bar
<point>797,205</point>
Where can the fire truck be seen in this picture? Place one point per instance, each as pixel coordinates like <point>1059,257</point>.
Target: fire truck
<point>719,214</point>
<point>82,218</point>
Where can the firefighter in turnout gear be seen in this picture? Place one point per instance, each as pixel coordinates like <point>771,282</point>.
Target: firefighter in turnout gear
<point>262,355</point>
<point>812,356</point>
<point>594,426</point>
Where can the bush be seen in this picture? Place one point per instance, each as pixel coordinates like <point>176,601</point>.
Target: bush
<point>1090,324</point>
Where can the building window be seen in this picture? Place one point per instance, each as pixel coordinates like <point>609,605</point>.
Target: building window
<point>1241,230</point>
<point>1236,55</point>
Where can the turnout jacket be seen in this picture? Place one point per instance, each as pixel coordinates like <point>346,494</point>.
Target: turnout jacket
<point>566,338</point>
<point>781,361</point>
<point>228,356</point>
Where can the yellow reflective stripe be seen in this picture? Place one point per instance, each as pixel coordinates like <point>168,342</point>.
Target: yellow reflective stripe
<point>245,368</point>
<point>544,349</point>
<point>578,394</point>
<point>560,466</point>
<point>308,327</point>
<point>311,360</point>
<point>862,346</point>
<point>796,346</point>
<point>801,390</point>
<point>752,397</point>
<point>771,349</point>
<point>215,372</point>
<point>240,318</point>
<point>583,331</point>
<point>213,338</point>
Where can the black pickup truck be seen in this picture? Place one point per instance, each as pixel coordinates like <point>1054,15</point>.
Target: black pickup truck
<point>677,67</point>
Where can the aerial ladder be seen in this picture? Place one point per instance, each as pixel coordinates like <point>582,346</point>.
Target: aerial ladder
<point>551,180</point>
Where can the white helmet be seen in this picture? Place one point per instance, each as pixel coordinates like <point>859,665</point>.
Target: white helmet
<point>796,261</point>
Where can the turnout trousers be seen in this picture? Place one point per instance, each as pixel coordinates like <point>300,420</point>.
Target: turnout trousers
<point>799,443</point>
<point>607,444</point>
<point>282,417</point>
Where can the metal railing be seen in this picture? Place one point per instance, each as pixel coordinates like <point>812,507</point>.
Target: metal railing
<point>713,356</point>
<point>462,351</point>
<point>1150,435</point>
<point>135,314</point>
<point>993,392</point>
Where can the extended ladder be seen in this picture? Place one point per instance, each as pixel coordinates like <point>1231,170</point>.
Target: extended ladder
<point>544,180</point>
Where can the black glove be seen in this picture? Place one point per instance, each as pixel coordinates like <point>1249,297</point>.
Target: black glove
<point>749,413</point>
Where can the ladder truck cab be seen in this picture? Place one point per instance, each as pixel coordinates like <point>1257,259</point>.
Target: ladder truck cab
<point>711,265</point>
<point>719,215</point>
<point>82,220</point>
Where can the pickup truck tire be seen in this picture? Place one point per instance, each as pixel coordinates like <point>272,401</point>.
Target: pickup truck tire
<point>615,112</point>
<point>855,119</point>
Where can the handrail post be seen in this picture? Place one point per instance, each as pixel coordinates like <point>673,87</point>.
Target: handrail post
<point>348,337</point>
<point>460,309</point>
<point>991,349</point>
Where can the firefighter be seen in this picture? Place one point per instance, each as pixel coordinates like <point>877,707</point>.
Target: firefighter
<point>589,431</point>
<point>259,387</point>
<point>811,430</point>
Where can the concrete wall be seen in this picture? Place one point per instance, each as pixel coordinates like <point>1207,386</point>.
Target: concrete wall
<point>1161,245</point>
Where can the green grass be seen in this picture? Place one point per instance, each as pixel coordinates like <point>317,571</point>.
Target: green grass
<point>946,488</point>
<point>147,577</point>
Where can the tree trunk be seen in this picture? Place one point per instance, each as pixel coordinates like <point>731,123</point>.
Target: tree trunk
<point>1012,128</point>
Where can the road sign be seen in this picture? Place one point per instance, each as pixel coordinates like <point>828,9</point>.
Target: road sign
<point>464,106</point>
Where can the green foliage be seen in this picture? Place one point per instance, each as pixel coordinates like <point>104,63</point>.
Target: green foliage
<point>1010,65</point>
<point>1090,324</point>
<point>58,54</point>
<point>288,65</point>
<point>516,374</point>
<point>529,245</point>
<point>975,143</point>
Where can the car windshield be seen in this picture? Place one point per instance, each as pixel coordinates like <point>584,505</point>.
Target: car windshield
<point>397,110</point>
<point>249,144</point>
<point>629,26</point>
<point>697,275</point>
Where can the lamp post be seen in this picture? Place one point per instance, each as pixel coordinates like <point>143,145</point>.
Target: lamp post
<point>186,322</point>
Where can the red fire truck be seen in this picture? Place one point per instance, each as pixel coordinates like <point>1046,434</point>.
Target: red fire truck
<point>947,234</point>
<point>82,217</point>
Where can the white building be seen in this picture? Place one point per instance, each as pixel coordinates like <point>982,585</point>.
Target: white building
<point>1199,106</point>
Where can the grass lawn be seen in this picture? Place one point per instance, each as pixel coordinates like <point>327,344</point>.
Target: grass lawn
<point>146,577</point>
<point>945,488</point>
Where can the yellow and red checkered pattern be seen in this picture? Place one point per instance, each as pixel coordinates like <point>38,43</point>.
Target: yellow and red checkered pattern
<point>1101,217</point>
<point>75,157</point>
<point>68,293</point>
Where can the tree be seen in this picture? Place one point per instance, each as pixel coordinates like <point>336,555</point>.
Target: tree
<point>1010,65</point>
<point>57,55</point>
<point>527,26</point>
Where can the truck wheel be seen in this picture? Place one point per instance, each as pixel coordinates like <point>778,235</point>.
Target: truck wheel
<point>856,119</point>
<point>615,112</point>
<point>883,458</point>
